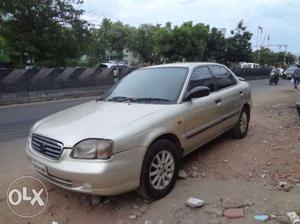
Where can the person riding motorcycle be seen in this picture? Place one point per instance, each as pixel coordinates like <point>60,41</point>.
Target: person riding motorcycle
<point>274,76</point>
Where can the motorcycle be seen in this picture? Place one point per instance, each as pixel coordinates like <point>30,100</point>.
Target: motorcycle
<point>274,77</point>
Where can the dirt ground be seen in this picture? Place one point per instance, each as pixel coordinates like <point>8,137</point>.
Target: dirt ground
<point>245,172</point>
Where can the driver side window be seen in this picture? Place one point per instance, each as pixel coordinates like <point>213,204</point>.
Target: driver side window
<point>201,76</point>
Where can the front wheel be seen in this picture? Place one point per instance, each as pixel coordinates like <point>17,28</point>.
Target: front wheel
<point>160,169</point>
<point>241,127</point>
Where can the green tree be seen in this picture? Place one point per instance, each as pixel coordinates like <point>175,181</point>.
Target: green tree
<point>47,32</point>
<point>238,46</point>
<point>185,42</point>
<point>144,43</point>
<point>216,46</point>
<point>109,40</point>
<point>269,57</point>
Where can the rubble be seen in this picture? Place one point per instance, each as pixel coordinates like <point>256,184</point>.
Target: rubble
<point>195,174</point>
<point>132,217</point>
<point>234,213</point>
<point>144,208</point>
<point>182,174</point>
<point>261,218</point>
<point>293,217</point>
<point>194,202</point>
<point>95,200</point>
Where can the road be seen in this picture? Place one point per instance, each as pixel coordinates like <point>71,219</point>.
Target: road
<point>16,120</point>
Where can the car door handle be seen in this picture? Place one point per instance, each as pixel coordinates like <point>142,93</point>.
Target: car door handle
<point>218,101</point>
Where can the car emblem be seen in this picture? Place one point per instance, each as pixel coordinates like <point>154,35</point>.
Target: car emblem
<point>42,147</point>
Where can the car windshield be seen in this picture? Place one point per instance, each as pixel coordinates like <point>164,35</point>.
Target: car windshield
<point>150,85</point>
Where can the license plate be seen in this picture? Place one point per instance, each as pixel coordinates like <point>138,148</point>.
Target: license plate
<point>40,168</point>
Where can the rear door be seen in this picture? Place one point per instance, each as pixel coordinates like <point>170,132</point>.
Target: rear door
<point>229,94</point>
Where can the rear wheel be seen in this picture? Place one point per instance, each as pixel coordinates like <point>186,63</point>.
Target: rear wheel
<point>160,169</point>
<point>241,127</point>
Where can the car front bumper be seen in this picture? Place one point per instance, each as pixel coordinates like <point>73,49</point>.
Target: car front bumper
<point>117,175</point>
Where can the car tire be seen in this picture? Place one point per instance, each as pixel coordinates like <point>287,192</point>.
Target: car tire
<point>158,177</point>
<point>241,127</point>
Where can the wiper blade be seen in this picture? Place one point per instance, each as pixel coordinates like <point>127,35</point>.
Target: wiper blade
<point>120,98</point>
<point>149,99</point>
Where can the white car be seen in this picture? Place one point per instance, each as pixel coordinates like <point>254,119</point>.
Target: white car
<point>135,137</point>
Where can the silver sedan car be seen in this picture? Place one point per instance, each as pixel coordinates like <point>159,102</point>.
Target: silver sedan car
<point>136,135</point>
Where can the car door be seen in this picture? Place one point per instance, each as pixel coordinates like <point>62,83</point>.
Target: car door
<point>200,113</point>
<point>229,94</point>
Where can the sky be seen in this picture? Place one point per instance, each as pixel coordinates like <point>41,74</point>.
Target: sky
<point>280,19</point>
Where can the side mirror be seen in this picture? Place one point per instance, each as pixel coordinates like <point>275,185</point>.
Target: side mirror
<point>197,92</point>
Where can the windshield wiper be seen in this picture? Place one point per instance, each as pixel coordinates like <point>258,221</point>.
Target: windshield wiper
<point>149,99</point>
<point>120,98</point>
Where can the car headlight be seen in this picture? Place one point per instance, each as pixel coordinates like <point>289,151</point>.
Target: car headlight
<point>93,149</point>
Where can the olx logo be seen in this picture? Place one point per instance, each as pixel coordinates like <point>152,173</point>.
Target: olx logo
<point>27,196</point>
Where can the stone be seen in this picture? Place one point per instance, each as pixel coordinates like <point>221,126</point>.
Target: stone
<point>225,161</point>
<point>195,174</point>
<point>195,168</point>
<point>132,217</point>
<point>230,203</point>
<point>137,213</point>
<point>95,200</point>
<point>234,213</point>
<point>144,208</point>
<point>269,163</point>
<point>194,202</point>
<point>282,184</point>
<point>287,188</point>
<point>54,222</point>
<point>135,206</point>
<point>148,222</point>
<point>182,174</point>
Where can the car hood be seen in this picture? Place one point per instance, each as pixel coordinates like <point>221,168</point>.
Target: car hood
<point>92,120</point>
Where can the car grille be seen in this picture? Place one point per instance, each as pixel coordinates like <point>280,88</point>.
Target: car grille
<point>47,146</point>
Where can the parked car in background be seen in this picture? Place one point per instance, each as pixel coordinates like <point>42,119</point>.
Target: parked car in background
<point>135,137</point>
<point>113,65</point>
<point>289,72</point>
<point>250,65</point>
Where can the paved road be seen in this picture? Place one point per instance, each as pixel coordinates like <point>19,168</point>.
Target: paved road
<point>16,120</point>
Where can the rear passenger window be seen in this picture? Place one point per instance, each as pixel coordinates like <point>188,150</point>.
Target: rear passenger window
<point>222,76</point>
<point>201,77</point>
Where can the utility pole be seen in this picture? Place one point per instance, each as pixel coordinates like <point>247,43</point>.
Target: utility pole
<point>259,30</point>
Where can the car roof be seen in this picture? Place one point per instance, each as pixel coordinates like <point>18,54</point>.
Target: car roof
<point>183,64</point>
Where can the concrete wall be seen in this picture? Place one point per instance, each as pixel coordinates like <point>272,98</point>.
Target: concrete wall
<point>28,80</point>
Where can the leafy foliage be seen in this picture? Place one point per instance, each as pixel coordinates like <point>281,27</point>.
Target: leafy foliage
<point>52,33</point>
<point>44,31</point>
